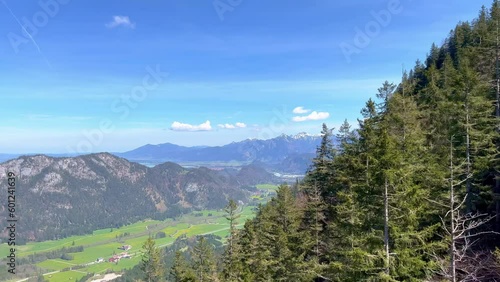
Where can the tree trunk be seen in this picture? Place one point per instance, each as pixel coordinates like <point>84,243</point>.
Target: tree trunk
<point>467,151</point>
<point>386,227</point>
<point>317,198</point>
<point>452,212</point>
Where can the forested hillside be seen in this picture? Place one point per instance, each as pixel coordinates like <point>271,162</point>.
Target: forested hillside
<point>410,195</point>
<point>74,196</point>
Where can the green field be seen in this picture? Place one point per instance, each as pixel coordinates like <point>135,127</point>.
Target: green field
<point>84,240</point>
<point>267,187</point>
<point>105,243</point>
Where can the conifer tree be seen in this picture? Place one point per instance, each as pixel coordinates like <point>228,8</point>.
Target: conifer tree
<point>350,251</point>
<point>320,172</point>
<point>319,196</point>
<point>406,188</point>
<point>151,264</point>
<point>248,243</point>
<point>254,242</point>
<point>476,127</point>
<point>204,264</point>
<point>232,253</point>
<point>287,250</point>
<point>181,271</point>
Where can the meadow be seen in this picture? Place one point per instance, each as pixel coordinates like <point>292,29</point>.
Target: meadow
<point>105,243</point>
<point>267,187</point>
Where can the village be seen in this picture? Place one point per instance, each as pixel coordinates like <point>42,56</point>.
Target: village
<point>116,257</point>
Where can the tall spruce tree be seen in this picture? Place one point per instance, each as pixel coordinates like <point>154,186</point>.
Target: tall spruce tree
<point>181,271</point>
<point>320,172</point>
<point>204,263</point>
<point>151,264</point>
<point>231,260</point>
<point>289,248</point>
<point>319,196</point>
<point>350,251</point>
<point>406,188</point>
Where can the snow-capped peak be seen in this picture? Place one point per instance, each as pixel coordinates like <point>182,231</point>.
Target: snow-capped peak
<point>302,135</point>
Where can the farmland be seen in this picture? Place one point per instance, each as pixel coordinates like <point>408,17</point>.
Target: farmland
<point>267,187</point>
<point>105,243</point>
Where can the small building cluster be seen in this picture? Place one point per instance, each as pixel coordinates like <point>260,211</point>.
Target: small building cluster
<point>116,258</point>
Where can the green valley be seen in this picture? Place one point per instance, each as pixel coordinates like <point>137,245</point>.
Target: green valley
<point>106,243</point>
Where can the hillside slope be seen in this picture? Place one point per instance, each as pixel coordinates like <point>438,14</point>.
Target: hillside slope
<point>57,197</point>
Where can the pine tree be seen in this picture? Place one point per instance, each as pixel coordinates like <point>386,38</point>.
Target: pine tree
<point>476,125</point>
<point>287,247</point>
<point>320,172</point>
<point>204,263</point>
<point>247,242</point>
<point>231,259</point>
<point>462,228</point>
<point>181,271</point>
<point>392,141</point>
<point>319,195</point>
<point>350,249</point>
<point>314,221</point>
<point>406,188</point>
<point>151,264</point>
<point>254,244</point>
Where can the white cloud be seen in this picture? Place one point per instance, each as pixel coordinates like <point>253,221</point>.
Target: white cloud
<point>120,21</point>
<point>226,126</point>
<point>300,111</point>
<point>232,126</point>
<point>312,116</point>
<point>178,126</point>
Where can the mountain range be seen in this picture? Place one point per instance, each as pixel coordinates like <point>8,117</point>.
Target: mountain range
<point>69,195</point>
<point>285,153</point>
<point>59,197</point>
<point>289,154</point>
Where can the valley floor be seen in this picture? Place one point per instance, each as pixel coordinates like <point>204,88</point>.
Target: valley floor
<point>105,244</point>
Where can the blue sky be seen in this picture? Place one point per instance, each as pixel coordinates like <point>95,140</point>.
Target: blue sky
<point>91,76</point>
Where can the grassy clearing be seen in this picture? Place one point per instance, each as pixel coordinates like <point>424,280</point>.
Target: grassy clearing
<point>55,264</point>
<point>105,243</point>
<point>107,234</point>
<point>65,276</point>
<point>267,187</point>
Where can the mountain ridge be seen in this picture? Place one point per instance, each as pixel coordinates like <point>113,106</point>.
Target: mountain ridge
<point>284,153</point>
<point>75,195</point>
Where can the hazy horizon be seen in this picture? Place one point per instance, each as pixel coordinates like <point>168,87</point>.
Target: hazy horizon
<point>154,144</point>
